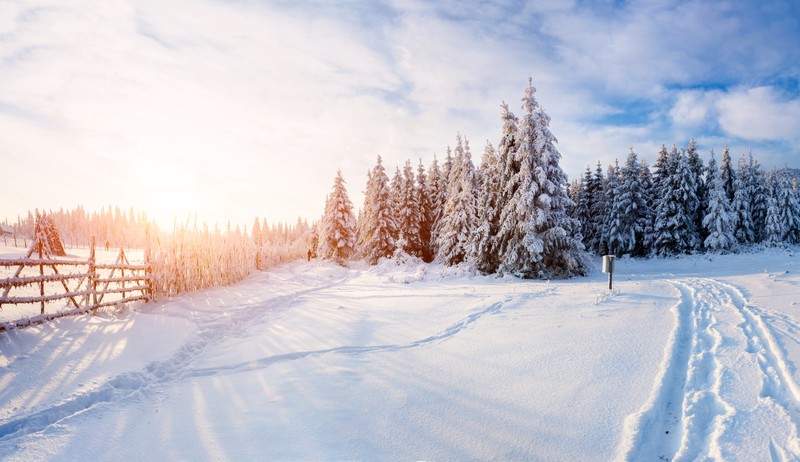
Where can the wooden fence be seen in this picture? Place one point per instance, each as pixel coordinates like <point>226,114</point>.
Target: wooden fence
<point>98,285</point>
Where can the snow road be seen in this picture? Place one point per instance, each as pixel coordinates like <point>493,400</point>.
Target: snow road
<point>688,359</point>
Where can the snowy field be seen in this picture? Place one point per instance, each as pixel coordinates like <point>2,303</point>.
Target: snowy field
<point>690,358</point>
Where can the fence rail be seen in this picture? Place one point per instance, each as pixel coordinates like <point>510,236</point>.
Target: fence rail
<point>95,282</point>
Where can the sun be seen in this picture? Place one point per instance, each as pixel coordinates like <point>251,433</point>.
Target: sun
<point>170,193</point>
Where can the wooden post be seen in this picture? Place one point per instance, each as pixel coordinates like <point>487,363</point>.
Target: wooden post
<point>148,273</point>
<point>41,273</point>
<point>91,284</point>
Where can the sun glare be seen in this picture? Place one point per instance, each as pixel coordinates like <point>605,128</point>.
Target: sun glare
<point>170,193</point>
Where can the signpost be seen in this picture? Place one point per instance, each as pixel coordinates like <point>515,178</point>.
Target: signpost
<point>608,267</point>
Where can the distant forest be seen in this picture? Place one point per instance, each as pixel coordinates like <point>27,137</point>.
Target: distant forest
<point>517,214</point>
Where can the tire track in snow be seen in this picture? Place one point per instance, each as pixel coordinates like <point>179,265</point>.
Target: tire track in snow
<point>136,383</point>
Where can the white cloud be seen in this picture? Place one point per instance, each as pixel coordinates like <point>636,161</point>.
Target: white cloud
<point>760,113</point>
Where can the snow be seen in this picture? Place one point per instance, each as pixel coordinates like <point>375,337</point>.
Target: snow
<point>687,358</point>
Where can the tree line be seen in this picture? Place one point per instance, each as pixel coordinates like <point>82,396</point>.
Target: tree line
<point>517,214</point>
<point>508,216</point>
<point>684,205</point>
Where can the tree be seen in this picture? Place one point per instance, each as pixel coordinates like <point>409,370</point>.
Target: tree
<point>719,219</point>
<point>424,199</point>
<point>460,211</point>
<point>436,193</point>
<point>484,253</point>
<point>633,208</point>
<point>338,233</point>
<point>742,206</point>
<point>538,234</point>
<point>727,174</point>
<point>408,216</point>
<point>675,224</point>
<point>378,227</point>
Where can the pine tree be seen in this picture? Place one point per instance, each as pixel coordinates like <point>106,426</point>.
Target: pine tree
<point>742,206</point>
<point>718,219</point>
<point>698,170</point>
<point>484,253</point>
<point>775,231</point>
<point>583,207</point>
<point>378,228</point>
<point>634,208</point>
<point>649,213</point>
<point>459,217</point>
<point>675,224</point>
<point>408,216</point>
<point>541,243</point>
<point>396,192</point>
<point>611,240</point>
<point>597,211</point>
<point>759,193</point>
<point>789,207</point>
<point>424,199</point>
<point>338,233</point>
<point>437,196</point>
<point>727,173</point>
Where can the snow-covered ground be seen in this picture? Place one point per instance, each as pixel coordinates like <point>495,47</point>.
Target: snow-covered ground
<point>689,358</point>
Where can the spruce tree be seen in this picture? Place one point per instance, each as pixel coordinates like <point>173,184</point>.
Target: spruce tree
<point>409,217</point>
<point>459,217</point>
<point>718,219</point>
<point>484,253</point>
<point>424,200</point>
<point>727,174</point>
<point>378,228</point>
<point>597,211</point>
<point>676,228</point>
<point>436,193</point>
<point>338,233</point>
<point>742,206</point>
<point>611,241</point>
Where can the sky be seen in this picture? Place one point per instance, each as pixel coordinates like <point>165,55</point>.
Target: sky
<point>232,109</point>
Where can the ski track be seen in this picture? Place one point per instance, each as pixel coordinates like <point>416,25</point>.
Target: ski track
<point>688,414</point>
<point>228,322</point>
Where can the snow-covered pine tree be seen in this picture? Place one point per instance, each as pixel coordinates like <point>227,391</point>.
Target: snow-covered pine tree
<point>424,199</point>
<point>396,192</point>
<point>611,239</point>
<point>648,216</point>
<point>597,211</point>
<point>789,207</point>
<point>437,194</point>
<point>756,181</point>
<point>563,252</point>
<point>509,168</point>
<point>338,233</point>
<point>541,243</point>
<point>408,216</point>
<point>634,208</point>
<point>378,228</point>
<point>727,173</point>
<point>742,205</point>
<point>675,226</point>
<point>718,219</point>
<point>582,210</point>
<point>774,232</point>
<point>698,171</point>
<point>459,217</point>
<point>484,253</point>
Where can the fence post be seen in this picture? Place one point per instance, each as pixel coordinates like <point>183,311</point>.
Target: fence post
<point>92,276</point>
<point>148,273</point>
<point>41,273</point>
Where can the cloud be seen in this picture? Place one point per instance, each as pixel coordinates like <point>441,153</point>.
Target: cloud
<point>760,114</point>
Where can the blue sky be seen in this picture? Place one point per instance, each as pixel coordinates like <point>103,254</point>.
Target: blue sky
<point>241,108</point>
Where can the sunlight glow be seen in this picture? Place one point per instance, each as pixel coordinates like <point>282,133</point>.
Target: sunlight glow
<point>170,193</point>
